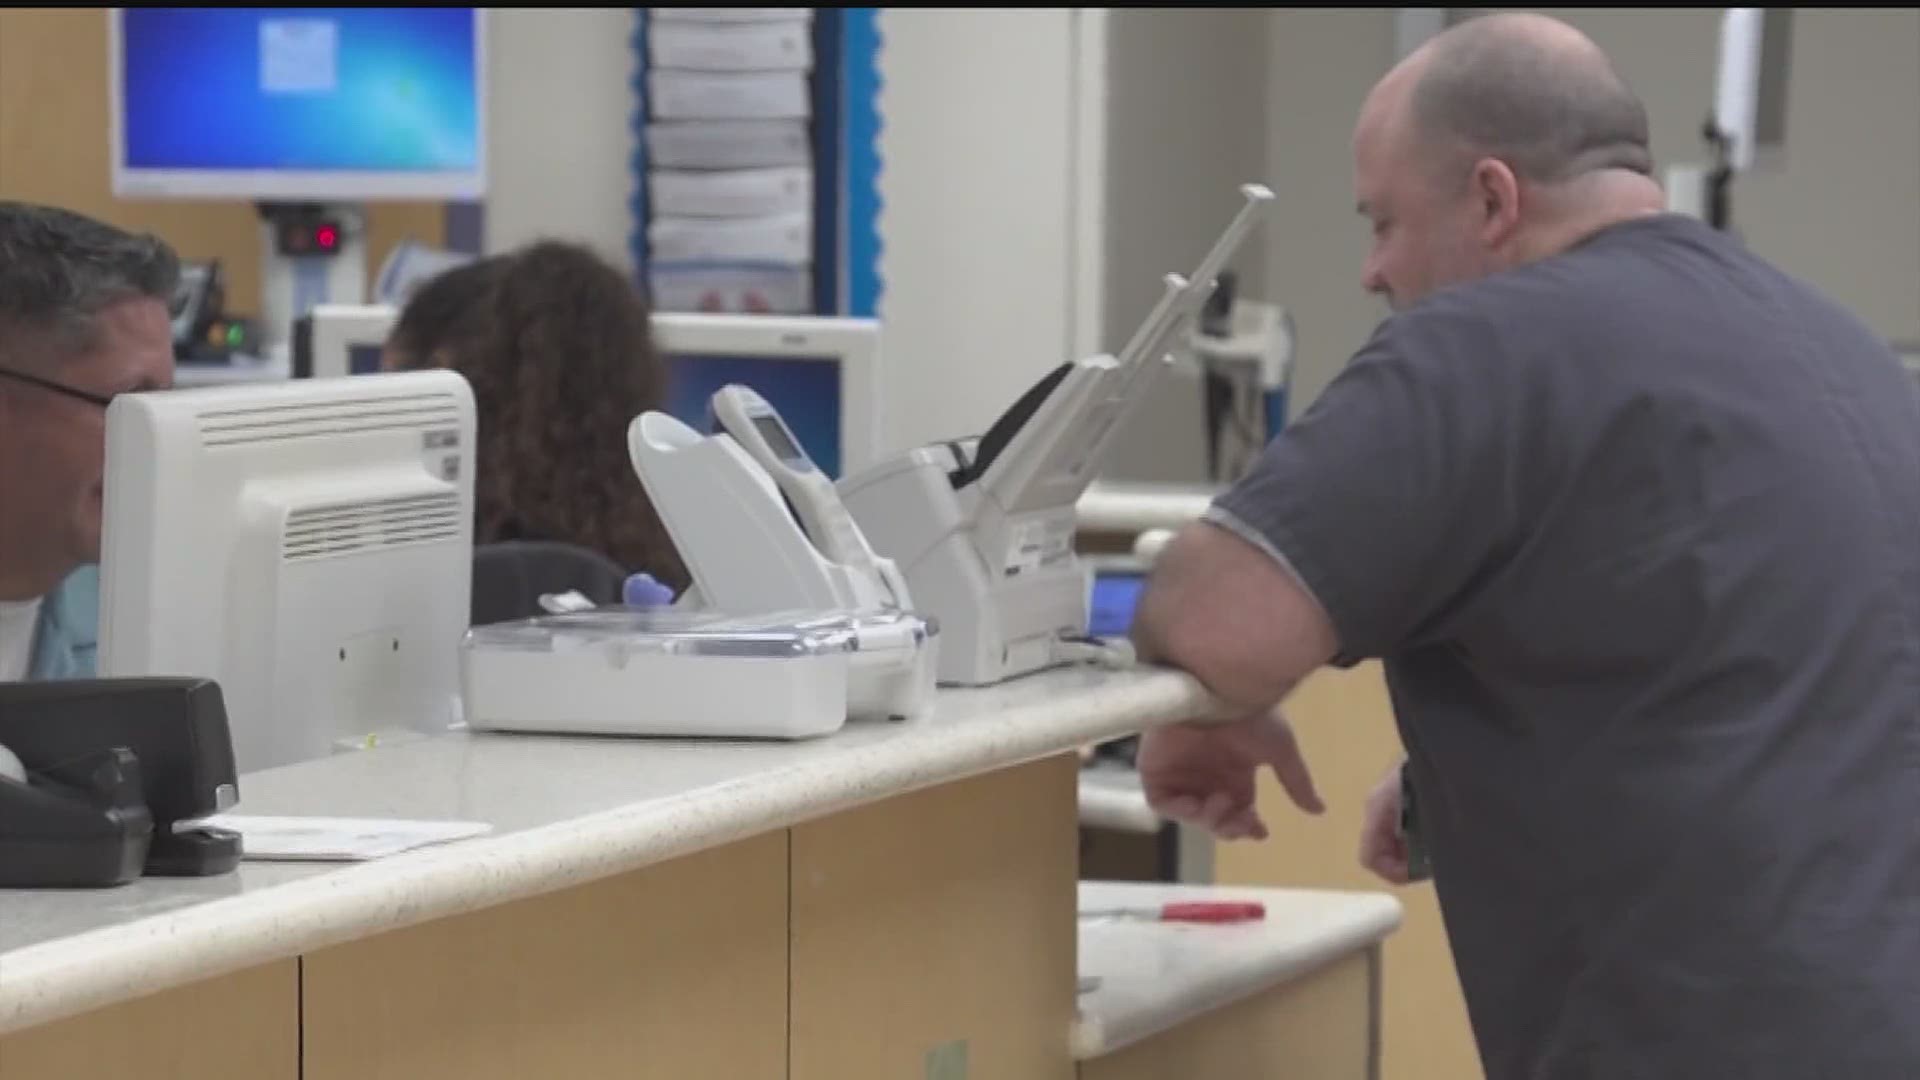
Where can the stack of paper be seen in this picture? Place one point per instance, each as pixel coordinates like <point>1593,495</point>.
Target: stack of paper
<point>730,159</point>
<point>323,839</point>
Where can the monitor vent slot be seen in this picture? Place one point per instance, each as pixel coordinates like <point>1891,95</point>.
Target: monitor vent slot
<point>319,532</point>
<point>257,424</point>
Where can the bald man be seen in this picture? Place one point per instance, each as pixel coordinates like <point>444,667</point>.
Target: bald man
<point>1633,520</point>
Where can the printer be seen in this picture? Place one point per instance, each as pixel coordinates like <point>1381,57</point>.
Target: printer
<point>983,529</point>
<point>98,777</point>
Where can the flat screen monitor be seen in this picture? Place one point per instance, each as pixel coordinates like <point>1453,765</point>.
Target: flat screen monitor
<point>821,373</point>
<point>309,104</point>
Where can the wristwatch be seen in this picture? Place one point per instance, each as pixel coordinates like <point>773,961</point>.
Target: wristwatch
<point>1419,862</point>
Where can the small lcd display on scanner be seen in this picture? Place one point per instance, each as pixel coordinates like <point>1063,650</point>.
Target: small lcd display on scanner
<point>775,433</point>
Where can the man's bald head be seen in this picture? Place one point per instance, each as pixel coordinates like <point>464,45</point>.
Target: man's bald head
<point>1503,140</point>
<point>1530,91</point>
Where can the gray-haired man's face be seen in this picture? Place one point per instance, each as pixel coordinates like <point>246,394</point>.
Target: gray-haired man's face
<point>54,445</point>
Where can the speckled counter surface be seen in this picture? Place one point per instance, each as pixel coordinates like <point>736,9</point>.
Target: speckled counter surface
<point>565,811</point>
<point>1154,976</point>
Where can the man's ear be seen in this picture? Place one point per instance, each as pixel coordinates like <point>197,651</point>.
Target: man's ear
<point>1496,191</point>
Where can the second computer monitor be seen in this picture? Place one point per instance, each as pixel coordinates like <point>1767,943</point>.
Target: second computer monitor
<point>335,340</point>
<point>821,373</point>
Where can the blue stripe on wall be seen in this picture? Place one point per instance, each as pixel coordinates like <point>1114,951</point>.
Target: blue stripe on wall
<point>637,167</point>
<point>860,67</point>
<point>828,126</point>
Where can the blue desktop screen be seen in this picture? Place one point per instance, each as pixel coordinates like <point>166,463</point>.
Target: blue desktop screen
<point>1115,595</point>
<point>300,89</point>
<point>364,359</point>
<point>805,392</point>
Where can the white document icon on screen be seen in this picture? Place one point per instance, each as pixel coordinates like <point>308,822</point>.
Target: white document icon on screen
<point>299,56</point>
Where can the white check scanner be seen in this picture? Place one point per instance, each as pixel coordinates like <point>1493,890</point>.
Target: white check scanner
<point>983,527</point>
<point>761,529</point>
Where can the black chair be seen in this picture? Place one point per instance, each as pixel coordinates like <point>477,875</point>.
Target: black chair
<point>510,577</point>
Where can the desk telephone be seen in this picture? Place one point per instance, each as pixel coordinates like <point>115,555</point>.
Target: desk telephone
<point>203,333</point>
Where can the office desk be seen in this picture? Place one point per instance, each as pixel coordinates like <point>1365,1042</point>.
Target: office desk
<point>894,900</point>
<point>1295,996</point>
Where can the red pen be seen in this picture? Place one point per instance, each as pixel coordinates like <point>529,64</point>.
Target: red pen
<point>1197,911</point>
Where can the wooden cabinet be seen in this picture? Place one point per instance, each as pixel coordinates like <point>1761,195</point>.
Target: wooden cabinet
<point>933,934</point>
<point>672,971</point>
<point>244,1026</point>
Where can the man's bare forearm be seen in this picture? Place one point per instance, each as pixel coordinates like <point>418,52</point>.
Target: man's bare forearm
<point>1220,610</point>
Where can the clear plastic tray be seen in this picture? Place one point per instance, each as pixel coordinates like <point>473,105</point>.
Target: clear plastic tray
<point>674,632</point>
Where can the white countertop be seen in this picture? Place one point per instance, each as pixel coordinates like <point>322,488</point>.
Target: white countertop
<point>564,810</point>
<point>1110,506</point>
<point>1155,976</point>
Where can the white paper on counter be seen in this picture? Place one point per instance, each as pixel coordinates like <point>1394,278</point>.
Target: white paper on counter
<point>324,839</point>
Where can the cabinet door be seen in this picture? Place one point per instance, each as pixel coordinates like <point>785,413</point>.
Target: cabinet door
<point>677,970</point>
<point>244,1025</point>
<point>934,933</point>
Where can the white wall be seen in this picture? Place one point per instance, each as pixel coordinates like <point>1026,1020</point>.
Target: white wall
<point>1186,122</point>
<point>560,98</point>
<point>980,154</point>
<point>1007,252</point>
<point>1323,62</point>
<point>1844,212</point>
<point>978,209</point>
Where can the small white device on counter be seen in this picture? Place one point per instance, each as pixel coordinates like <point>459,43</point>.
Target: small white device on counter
<point>984,528</point>
<point>673,672</point>
<point>757,523</point>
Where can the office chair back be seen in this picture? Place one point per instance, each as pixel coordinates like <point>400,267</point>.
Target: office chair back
<point>510,577</point>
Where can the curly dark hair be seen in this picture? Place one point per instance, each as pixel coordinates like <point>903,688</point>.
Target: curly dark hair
<point>557,347</point>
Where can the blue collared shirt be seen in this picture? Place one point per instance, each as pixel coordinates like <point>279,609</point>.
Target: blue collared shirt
<point>66,640</point>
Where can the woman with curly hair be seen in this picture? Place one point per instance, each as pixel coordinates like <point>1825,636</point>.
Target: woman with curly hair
<point>556,345</point>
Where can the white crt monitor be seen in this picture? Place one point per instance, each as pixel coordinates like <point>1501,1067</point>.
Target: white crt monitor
<point>822,373</point>
<point>297,104</point>
<point>343,339</point>
<point>307,544</point>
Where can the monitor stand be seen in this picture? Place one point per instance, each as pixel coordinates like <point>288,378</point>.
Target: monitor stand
<point>310,253</point>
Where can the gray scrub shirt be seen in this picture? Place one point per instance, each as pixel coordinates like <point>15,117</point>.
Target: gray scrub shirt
<point>1636,532</point>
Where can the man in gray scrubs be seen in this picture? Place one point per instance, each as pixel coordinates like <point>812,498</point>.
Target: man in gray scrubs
<point>1633,519</point>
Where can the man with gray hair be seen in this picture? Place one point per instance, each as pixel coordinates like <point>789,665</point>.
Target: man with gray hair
<point>83,317</point>
<point>1633,520</point>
